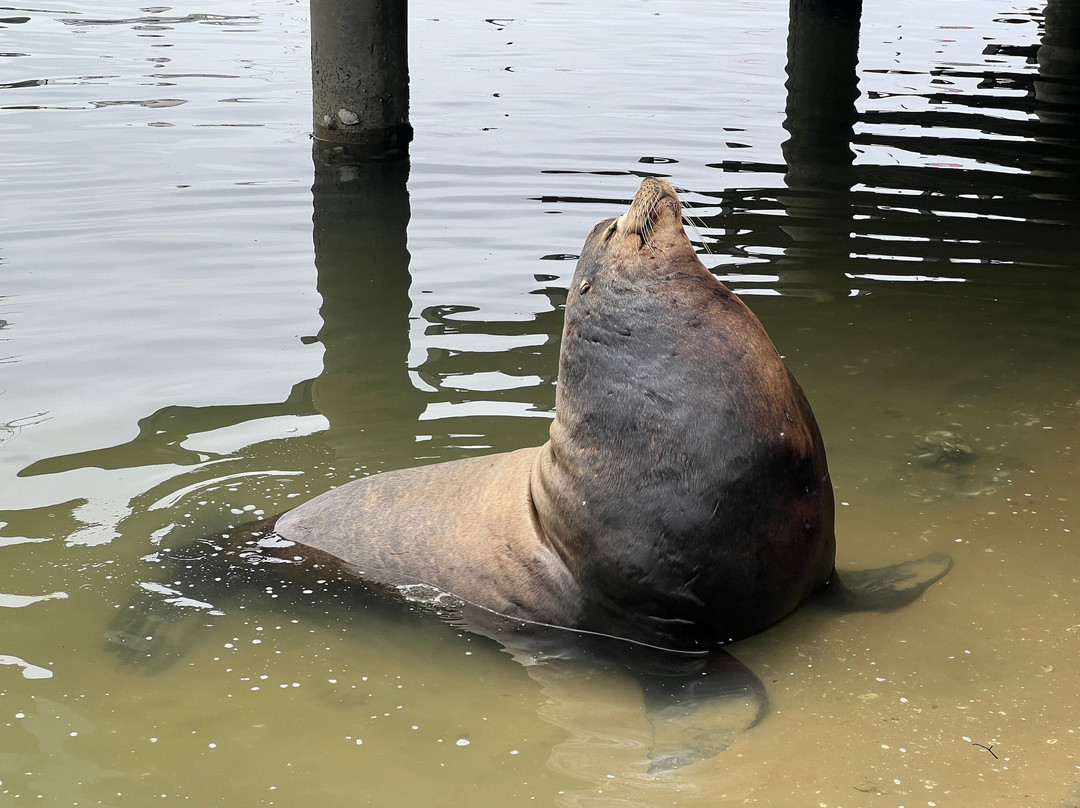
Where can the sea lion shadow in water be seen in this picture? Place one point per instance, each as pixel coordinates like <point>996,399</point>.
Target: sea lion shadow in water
<point>682,501</point>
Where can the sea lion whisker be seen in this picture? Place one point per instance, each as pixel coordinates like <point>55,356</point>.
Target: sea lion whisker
<point>716,507</point>
<point>693,225</point>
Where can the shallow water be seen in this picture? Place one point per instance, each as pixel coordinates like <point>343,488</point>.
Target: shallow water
<point>200,326</point>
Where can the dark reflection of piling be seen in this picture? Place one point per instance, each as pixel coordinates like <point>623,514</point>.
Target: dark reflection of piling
<point>361,213</point>
<point>822,85</point>
<point>1057,90</point>
<point>1057,93</point>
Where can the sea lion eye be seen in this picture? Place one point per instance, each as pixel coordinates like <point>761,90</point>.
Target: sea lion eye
<point>611,231</point>
<point>583,288</point>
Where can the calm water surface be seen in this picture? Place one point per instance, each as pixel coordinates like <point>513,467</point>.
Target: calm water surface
<point>199,325</point>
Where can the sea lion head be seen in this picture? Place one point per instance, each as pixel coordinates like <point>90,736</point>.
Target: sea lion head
<point>650,232</point>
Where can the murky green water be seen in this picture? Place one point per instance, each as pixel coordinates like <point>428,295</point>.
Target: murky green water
<point>200,326</point>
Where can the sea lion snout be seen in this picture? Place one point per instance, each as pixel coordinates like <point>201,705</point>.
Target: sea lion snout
<point>655,201</point>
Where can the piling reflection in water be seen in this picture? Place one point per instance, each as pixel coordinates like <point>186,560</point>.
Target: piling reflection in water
<point>822,86</point>
<point>1057,94</point>
<point>361,215</point>
<point>977,177</point>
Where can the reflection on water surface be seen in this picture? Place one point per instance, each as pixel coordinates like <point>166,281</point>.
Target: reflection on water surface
<point>200,326</point>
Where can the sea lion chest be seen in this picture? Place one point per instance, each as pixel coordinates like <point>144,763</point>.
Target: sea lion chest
<point>685,479</point>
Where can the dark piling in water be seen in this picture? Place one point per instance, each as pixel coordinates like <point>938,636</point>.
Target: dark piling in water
<point>360,74</point>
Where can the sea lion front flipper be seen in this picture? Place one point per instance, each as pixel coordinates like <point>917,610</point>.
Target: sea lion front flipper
<point>886,588</point>
<point>698,713</point>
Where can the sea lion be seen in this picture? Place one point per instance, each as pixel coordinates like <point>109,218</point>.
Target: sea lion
<point>682,501</point>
